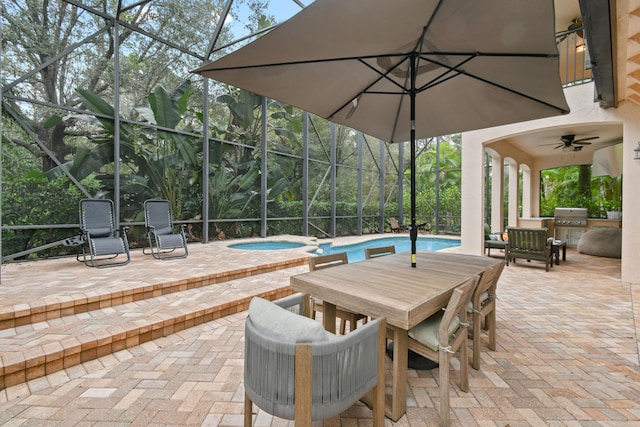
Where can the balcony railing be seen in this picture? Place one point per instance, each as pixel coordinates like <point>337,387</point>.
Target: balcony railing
<point>575,65</point>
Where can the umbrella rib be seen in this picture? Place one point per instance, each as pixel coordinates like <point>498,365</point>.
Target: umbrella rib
<point>442,77</point>
<point>299,62</point>
<point>381,76</point>
<point>489,82</point>
<point>432,83</point>
<point>362,58</point>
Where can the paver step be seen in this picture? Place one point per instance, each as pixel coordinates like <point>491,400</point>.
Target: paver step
<point>77,300</point>
<point>115,321</point>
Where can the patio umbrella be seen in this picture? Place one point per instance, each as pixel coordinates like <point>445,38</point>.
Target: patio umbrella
<point>406,69</point>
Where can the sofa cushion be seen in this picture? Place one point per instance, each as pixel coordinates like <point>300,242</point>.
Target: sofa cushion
<point>604,242</point>
<point>273,320</point>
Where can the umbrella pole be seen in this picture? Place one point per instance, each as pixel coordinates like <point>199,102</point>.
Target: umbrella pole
<point>413,229</point>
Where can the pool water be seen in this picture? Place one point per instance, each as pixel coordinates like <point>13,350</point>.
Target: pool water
<point>266,246</point>
<point>355,252</point>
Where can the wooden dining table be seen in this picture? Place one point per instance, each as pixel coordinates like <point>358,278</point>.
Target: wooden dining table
<point>389,287</point>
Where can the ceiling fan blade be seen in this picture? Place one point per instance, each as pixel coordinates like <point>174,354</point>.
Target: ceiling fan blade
<point>585,139</point>
<point>559,146</point>
<point>581,143</point>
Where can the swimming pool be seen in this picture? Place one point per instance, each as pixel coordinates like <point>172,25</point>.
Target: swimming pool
<point>355,252</point>
<point>266,246</point>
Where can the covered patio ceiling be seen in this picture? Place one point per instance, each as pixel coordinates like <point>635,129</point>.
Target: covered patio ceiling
<point>545,142</point>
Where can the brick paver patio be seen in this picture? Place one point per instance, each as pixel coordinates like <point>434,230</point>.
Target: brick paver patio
<point>567,347</point>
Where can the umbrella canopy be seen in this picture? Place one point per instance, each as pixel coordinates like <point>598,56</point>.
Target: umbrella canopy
<point>406,69</point>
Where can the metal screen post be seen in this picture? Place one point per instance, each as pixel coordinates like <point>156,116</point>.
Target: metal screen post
<point>305,174</point>
<point>334,172</point>
<point>263,171</point>
<point>360,209</point>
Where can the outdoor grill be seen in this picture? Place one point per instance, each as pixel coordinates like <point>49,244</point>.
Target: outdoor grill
<point>570,217</point>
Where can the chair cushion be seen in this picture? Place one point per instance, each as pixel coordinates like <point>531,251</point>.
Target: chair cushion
<point>163,230</point>
<point>283,324</point>
<point>100,232</point>
<point>426,332</point>
<point>483,298</point>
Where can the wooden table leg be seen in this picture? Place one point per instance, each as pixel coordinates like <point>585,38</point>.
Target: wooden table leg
<point>329,317</point>
<point>399,380</point>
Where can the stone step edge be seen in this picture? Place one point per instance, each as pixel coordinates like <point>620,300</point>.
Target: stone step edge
<point>67,305</point>
<point>17,368</point>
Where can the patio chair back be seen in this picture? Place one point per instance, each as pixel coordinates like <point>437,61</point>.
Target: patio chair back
<point>98,230</point>
<point>380,251</point>
<point>482,308</point>
<point>529,244</point>
<point>329,260</point>
<point>311,378</point>
<point>160,231</point>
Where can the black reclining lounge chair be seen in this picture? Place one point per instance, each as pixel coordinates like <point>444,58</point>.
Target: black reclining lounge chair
<point>102,241</point>
<point>160,231</point>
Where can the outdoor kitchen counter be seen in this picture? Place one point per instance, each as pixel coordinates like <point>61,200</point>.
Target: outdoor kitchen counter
<point>602,222</point>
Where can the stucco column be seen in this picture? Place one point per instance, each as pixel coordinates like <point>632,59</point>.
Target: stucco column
<point>527,202</point>
<point>472,221</point>
<point>513,194</point>
<point>497,193</point>
<point>631,202</point>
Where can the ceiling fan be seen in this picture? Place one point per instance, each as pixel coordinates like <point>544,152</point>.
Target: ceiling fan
<point>570,143</point>
<point>576,23</point>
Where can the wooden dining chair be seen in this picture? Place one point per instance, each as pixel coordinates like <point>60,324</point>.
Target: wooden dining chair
<point>381,251</point>
<point>440,336</point>
<point>330,260</point>
<point>482,310</point>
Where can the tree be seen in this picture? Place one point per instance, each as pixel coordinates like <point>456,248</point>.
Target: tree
<point>53,47</point>
<point>573,186</point>
<point>438,175</point>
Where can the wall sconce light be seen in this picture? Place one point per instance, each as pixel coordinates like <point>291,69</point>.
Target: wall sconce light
<point>636,152</point>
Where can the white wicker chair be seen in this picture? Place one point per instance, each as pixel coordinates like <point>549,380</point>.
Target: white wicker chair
<point>316,377</point>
